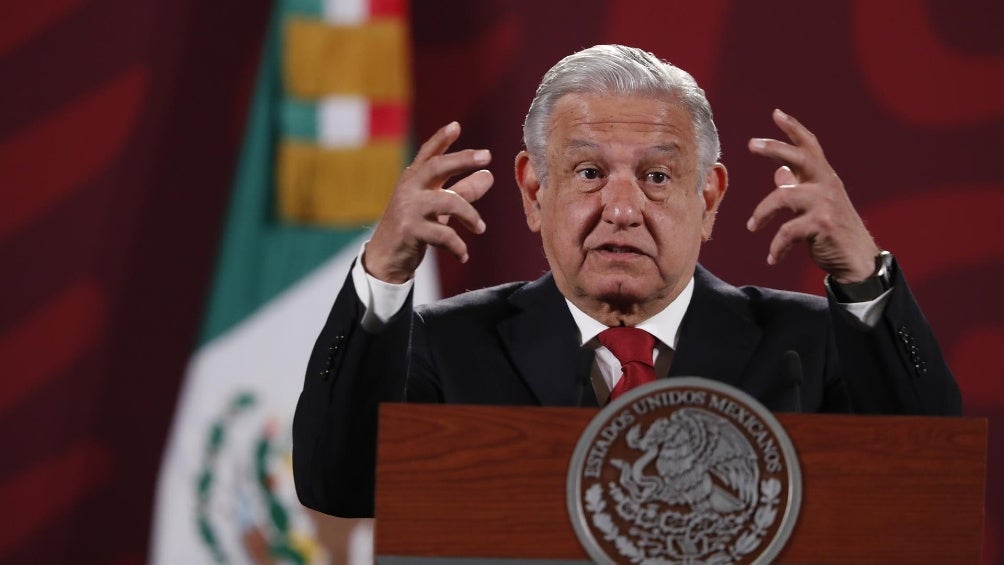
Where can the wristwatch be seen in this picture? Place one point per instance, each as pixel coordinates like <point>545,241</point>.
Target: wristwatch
<point>870,288</point>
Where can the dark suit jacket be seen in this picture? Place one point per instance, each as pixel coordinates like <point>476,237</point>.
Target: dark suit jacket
<point>517,344</point>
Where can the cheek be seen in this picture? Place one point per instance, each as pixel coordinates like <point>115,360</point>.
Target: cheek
<point>573,215</point>
<point>678,225</point>
<point>566,227</point>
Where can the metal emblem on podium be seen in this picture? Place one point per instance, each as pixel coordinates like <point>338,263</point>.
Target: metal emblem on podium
<point>684,471</point>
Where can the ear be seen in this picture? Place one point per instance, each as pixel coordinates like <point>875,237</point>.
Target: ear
<point>712,193</point>
<point>529,186</point>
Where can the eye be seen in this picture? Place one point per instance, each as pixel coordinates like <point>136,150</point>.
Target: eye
<point>588,173</point>
<point>657,177</point>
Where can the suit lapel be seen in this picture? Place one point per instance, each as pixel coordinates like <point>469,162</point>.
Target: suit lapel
<point>542,341</point>
<point>717,338</point>
<point>718,335</point>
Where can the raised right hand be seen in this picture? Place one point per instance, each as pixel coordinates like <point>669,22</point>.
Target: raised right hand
<point>420,209</point>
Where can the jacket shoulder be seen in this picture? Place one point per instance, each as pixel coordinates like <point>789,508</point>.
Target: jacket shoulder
<point>762,303</point>
<point>484,303</point>
<point>772,298</point>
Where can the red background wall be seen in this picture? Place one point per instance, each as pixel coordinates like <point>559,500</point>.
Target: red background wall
<point>120,121</point>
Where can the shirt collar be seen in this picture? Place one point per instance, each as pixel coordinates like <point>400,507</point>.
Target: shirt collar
<point>665,325</point>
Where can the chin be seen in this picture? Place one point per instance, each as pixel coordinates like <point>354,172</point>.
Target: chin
<point>620,291</point>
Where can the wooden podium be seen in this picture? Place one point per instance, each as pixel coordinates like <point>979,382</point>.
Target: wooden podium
<point>480,484</point>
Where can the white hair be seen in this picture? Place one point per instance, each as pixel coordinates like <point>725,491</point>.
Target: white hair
<point>621,70</point>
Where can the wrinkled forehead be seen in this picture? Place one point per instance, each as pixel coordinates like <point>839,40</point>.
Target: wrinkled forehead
<point>579,116</point>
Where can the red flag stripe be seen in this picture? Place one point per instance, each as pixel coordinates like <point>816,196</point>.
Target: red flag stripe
<point>388,120</point>
<point>388,8</point>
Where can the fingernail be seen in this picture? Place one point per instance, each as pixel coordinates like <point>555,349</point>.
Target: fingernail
<point>780,114</point>
<point>452,127</point>
<point>770,259</point>
<point>482,156</point>
<point>758,143</point>
<point>463,259</point>
<point>481,226</point>
<point>750,224</point>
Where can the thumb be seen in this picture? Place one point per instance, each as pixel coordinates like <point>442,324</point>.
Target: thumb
<point>783,176</point>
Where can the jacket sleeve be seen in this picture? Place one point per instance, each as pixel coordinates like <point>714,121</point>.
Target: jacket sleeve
<point>897,366</point>
<point>335,425</point>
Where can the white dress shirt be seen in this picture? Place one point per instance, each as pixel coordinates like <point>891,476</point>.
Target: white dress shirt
<point>664,326</point>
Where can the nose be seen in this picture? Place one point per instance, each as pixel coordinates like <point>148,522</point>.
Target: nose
<point>622,202</point>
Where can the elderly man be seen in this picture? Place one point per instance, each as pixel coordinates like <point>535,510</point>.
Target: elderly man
<point>621,178</point>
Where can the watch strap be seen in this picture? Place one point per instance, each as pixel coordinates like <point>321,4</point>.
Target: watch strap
<point>870,288</point>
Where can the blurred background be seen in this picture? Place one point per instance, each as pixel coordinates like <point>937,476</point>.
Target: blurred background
<point>183,184</point>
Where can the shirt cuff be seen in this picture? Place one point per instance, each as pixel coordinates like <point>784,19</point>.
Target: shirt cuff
<point>868,313</point>
<point>381,300</point>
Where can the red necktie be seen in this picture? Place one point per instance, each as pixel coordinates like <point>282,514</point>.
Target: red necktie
<point>633,348</point>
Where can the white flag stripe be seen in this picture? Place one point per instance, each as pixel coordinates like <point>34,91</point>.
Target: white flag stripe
<point>343,121</point>
<point>266,355</point>
<point>346,12</point>
<point>360,550</point>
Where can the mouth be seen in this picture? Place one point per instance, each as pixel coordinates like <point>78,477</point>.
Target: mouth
<point>614,249</point>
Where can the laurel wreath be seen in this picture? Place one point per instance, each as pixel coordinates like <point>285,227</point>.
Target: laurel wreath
<point>281,545</point>
<point>747,542</point>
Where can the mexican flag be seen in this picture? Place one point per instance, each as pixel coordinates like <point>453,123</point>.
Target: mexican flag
<point>326,139</point>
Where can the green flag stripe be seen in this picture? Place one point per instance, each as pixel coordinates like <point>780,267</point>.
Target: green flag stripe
<point>259,257</point>
<point>313,8</point>
<point>299,119</point>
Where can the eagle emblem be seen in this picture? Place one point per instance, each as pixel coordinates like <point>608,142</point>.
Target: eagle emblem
<point>684,485</point>
<point>694,486</point>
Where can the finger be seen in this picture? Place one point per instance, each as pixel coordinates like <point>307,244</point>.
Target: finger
<point>784,177</point>
<point>796,132</point>
<point>449,203</point>
<point>474,186</point>
<point>438,143</point>
<point>444,237</point>
<point>791,232</point>
<point>439,168</point>
<point>779,151</point>
<point>796,199</point>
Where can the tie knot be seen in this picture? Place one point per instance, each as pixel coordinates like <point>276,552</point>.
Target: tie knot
<point>629,344</point>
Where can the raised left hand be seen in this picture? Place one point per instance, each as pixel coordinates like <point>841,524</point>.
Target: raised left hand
<point>824,217</point>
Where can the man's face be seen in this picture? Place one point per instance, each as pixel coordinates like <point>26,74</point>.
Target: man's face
<point>620,212</point>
